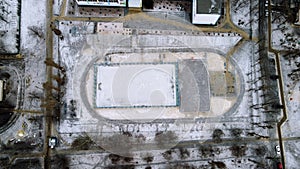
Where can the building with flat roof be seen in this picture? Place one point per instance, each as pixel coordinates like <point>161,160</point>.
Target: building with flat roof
<point>111,3</point>
<point>1,90</point>
<point>206,12</point>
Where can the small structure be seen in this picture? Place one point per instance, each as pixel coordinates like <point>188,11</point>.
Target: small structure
<point>206,12</point>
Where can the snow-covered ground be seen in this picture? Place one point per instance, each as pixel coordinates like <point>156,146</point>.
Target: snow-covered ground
<point>32,69</point>
<point>284,36</point>
<point>33,48</point>
<point>292,151</point>
<point>291,127</point>
<point>244,14</point>
<point>9,26</point>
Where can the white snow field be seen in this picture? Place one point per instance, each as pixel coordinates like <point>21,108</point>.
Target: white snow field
<point>135,85</point>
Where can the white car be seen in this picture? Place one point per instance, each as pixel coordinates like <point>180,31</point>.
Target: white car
<point>52,142</point>
<point>277,149</point>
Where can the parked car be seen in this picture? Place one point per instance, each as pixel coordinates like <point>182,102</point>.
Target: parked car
<point>279,165</point>
<point>52,142</point>
<point>277,149</point>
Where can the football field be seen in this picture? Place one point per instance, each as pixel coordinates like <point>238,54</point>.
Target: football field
<point>135,85</point>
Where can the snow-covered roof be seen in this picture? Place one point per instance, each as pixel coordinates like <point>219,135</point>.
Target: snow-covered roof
<point>121,3</point>
<point>206,19</point>
<point>298,23</point>
<point>206,12</point>
<point>134,3</point>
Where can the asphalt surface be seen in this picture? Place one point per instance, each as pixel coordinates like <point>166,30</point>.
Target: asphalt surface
<point>194,84</point>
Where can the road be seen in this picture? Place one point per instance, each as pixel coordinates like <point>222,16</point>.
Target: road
<point>48,92</point>
<point>281,86</point>
<point>188,144</point>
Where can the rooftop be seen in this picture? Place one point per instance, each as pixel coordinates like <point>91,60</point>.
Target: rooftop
<point>206,12</point>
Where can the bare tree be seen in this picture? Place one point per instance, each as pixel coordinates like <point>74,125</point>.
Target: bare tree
<point>114,158</point>
<point>148,157</point>
<point>164,139</point>
<point>219,164</point>
<point>180,166</point>
<point>259,165</point>
<point>184,153</point>
<point>27,163</point>
<point>118,159</point>
<point>82,143</point>
<point>130,166</point>
<point>36,31</point>
<point>2,47</point>
<point>3,19</point>
<point>59,162</point>
<point>206,150</point>
<point>168,154</point>
<point>117,143</point>
<point>236,132</point>
<point>260,150</point>
<point>4,163</point>
<point>216,136</point>
<point>50,62</point>
<point>238,150</point>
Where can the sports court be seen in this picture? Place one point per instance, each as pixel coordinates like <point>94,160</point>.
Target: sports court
<point>126,85</point>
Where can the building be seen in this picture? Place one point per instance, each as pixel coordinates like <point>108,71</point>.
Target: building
<point>111,3</point>
<point>295,6</point>
<point>1,90</point>
<point>298,20</point>
<point>206,12</point>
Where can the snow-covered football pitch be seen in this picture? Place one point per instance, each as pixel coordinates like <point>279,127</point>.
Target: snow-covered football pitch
<point>125,85</point>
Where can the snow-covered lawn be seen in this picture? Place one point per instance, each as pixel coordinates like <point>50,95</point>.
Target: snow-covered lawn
<point>291,127</point>
<point>9,26</point>
<point>284,36</point>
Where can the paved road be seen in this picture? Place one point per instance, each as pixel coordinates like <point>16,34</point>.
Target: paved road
<point>281,87</point>
<point>194,84</point>
<point>48,93</point>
